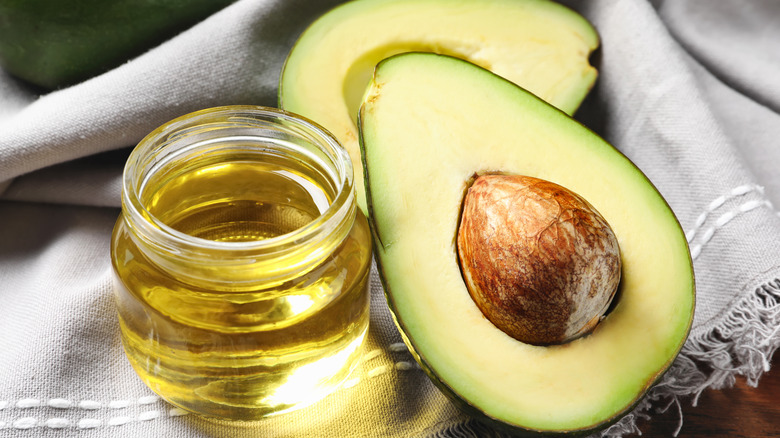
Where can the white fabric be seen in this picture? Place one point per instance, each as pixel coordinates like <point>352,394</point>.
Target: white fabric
<point>688,89</point>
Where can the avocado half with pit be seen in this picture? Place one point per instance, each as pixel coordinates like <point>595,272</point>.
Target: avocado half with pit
<point>539,44</point>
<point>430,126</point>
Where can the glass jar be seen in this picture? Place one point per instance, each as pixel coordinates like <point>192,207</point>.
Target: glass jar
<point>241,262</point>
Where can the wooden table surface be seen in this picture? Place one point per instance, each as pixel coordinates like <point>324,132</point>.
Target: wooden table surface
<point>738,412</point>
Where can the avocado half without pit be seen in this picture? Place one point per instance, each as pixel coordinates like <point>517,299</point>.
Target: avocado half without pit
<point>582,282</point>
<point>538,44</point>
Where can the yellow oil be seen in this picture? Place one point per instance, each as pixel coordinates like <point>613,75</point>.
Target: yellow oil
<point>241,354</point>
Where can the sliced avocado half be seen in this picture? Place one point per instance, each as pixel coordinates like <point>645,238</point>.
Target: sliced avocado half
<point>538,44</point>
<point>428,124</point>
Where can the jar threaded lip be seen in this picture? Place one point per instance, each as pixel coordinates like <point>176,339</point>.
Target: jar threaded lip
<point>181,139</point>
<point>160,139</point>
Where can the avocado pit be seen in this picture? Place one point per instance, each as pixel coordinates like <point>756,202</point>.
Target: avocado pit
<point>539,261</point>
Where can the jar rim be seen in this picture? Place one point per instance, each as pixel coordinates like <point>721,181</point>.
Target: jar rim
<point>164,235</point>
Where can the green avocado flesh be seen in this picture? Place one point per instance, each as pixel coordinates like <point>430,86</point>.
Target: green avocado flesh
<point>428,124</point>
<point>55,43</point>
<point>538,44</point>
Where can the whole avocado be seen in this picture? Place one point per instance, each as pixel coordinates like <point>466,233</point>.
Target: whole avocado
<point>56,43</point>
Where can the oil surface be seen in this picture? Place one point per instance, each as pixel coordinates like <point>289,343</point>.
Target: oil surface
<point>251,353</point>
<point>240,201</point>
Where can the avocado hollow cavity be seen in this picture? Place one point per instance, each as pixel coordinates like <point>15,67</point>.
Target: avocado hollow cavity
<point>359,74</point>
<point>539,261</point>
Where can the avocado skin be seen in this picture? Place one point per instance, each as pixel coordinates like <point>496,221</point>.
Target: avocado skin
<point>53,44</point>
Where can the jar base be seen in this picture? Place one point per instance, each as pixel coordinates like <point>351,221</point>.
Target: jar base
<point>246,398</point>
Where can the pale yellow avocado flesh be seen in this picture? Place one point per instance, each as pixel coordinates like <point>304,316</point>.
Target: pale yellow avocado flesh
<point>428,124</point>
<point>538,44</point>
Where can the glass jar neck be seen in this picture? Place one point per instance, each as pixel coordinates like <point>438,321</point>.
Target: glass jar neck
<point>220,137</point>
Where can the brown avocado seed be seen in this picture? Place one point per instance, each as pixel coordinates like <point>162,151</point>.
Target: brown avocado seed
<point>538,260</point>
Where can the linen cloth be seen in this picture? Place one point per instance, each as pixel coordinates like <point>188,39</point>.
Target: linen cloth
<point>688,89</point>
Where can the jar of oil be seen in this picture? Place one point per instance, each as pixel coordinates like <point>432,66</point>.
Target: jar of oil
<point>241,263</point>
